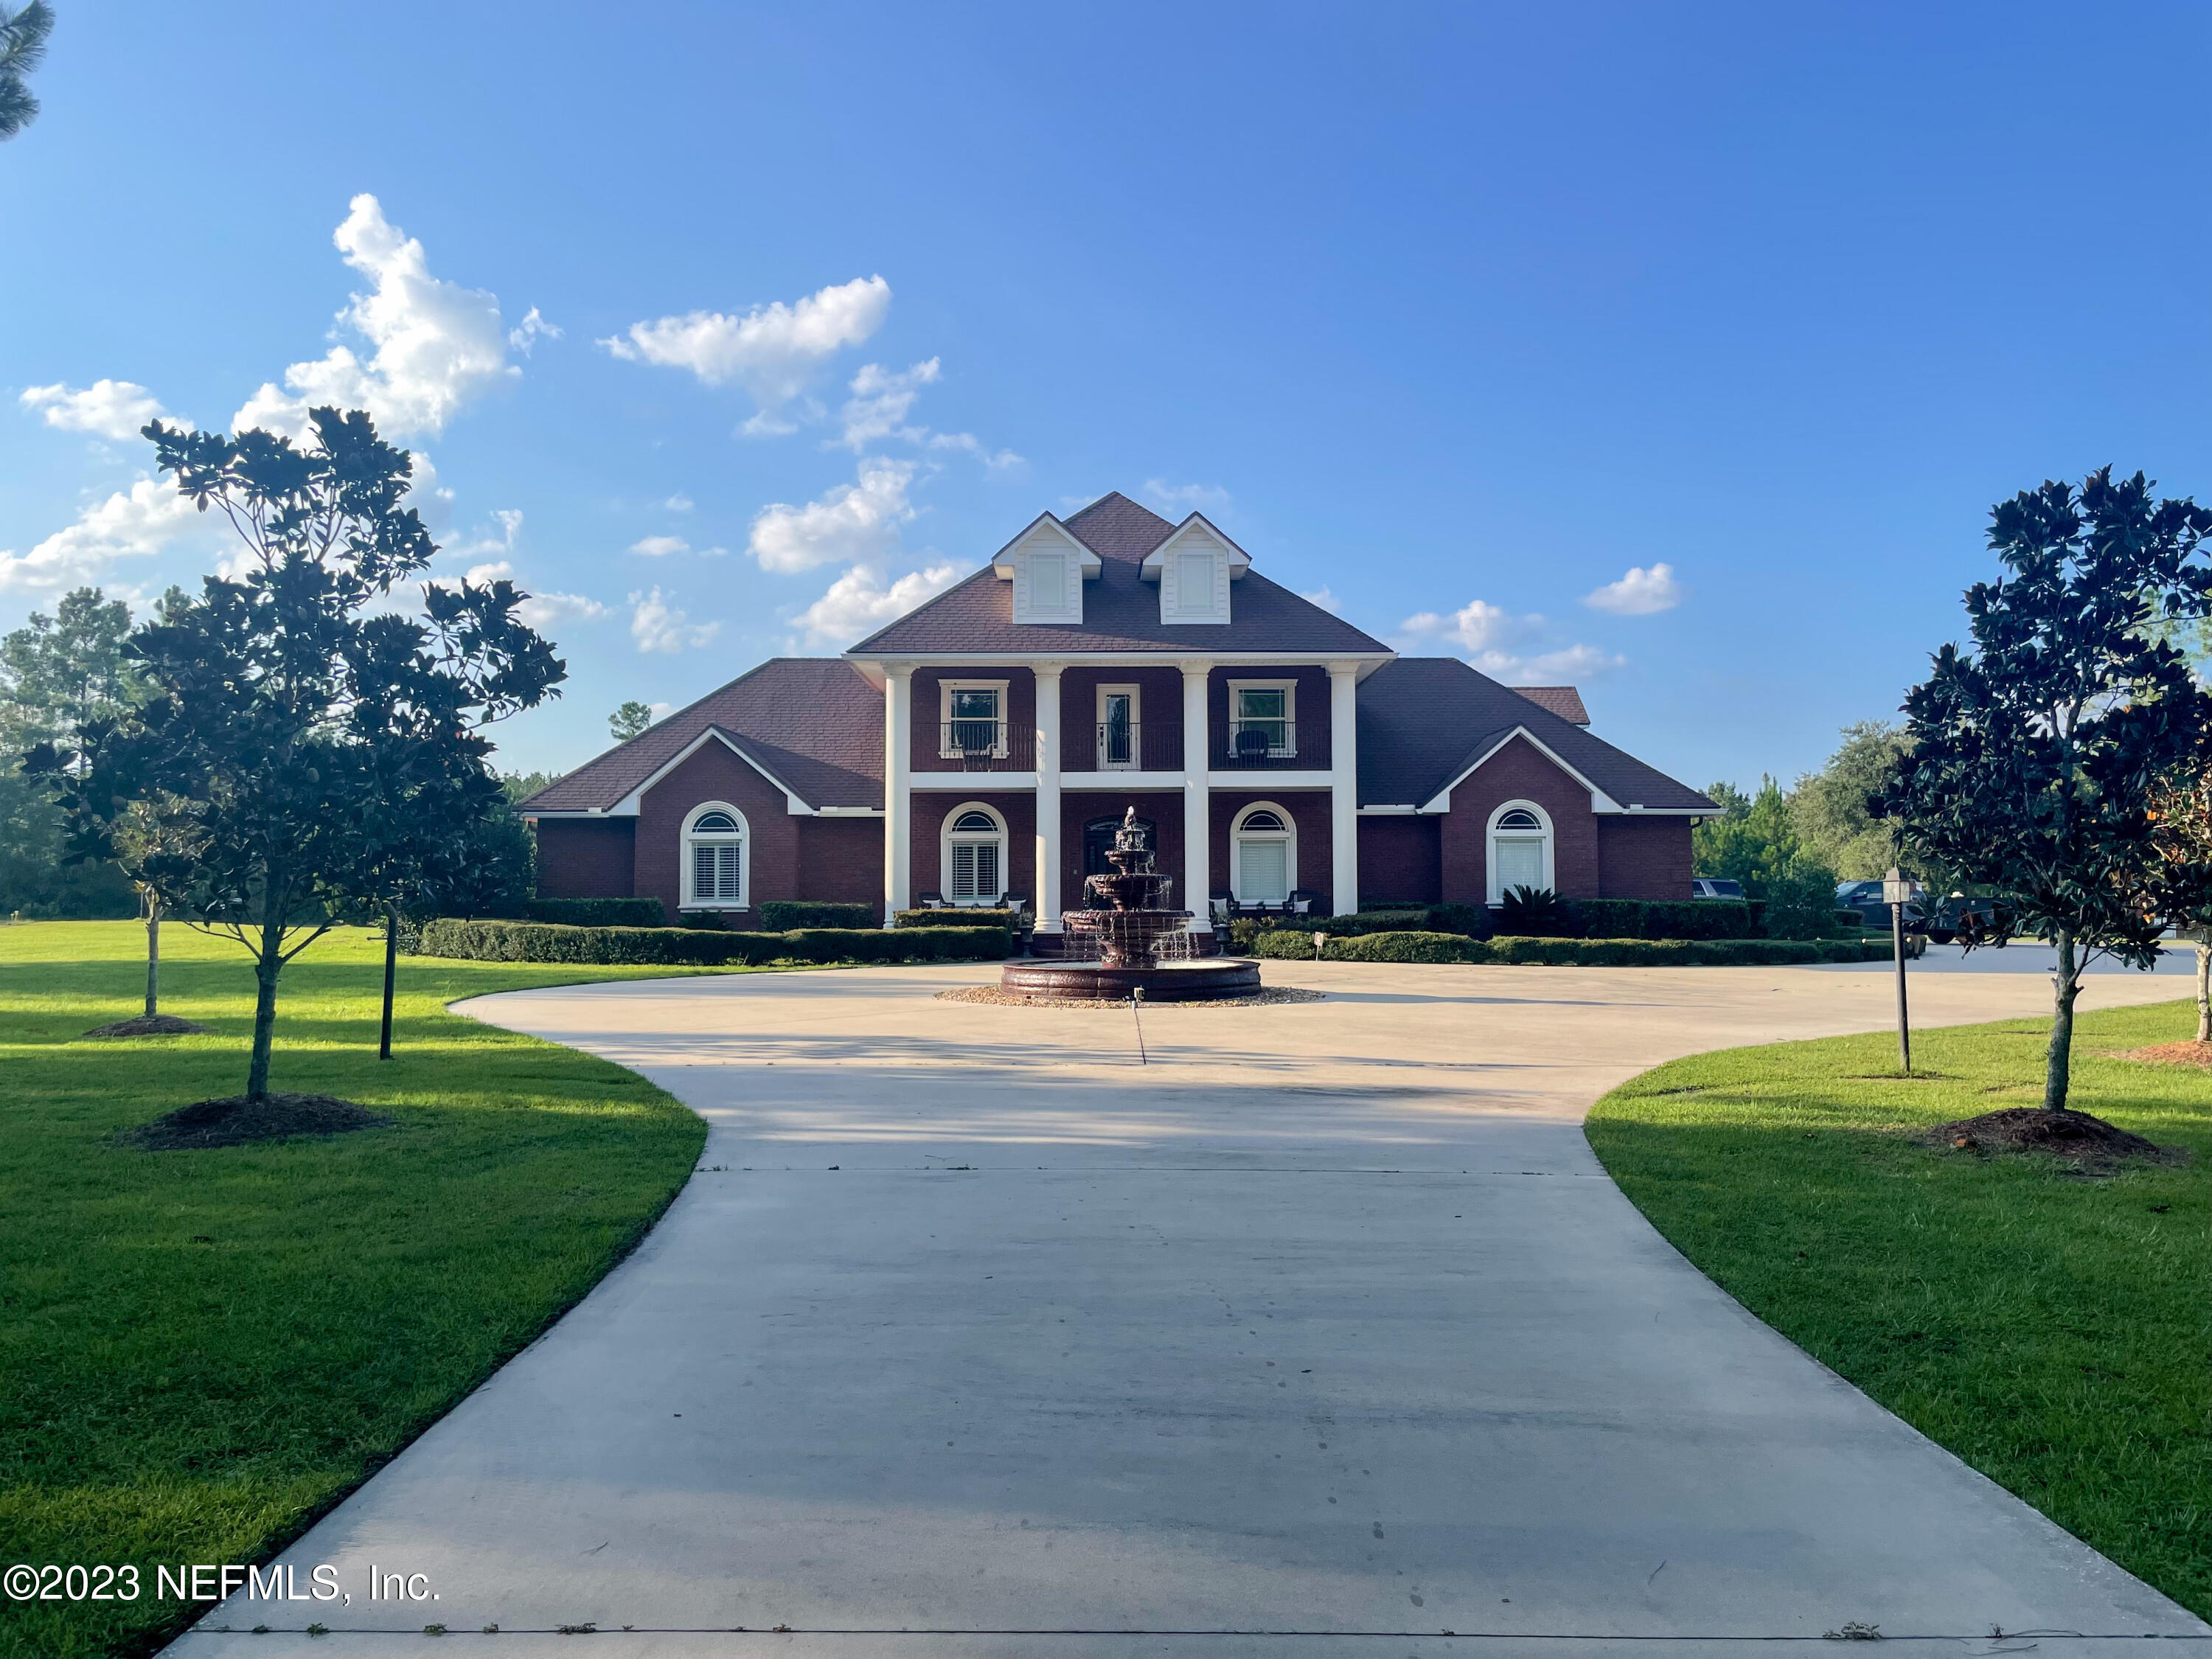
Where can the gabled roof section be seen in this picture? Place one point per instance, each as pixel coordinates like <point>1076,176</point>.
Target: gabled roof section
<point>1562,700</point>
<point>812,726</point>
<point>1425,721</point>
<point>1120,611</point>
<point>1002,561</point>
<point>1155,561</point>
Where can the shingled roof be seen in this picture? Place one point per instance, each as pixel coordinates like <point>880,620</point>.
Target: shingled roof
<point>1120,611</point>
<point>1562,700</point>
<point>813,723</point>
<point>1424,720</point>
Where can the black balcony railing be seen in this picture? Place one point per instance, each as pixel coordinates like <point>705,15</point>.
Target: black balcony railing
<point>1134,746</point>
<point>1262,743</point>
<point>986,746</point>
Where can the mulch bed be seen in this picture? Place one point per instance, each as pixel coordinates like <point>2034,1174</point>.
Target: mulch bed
<point>2087,1141</point>
<point>149,1025</point>
<point>1260,998</point>
<point>2171,1053</point>
<point>240,1119</point>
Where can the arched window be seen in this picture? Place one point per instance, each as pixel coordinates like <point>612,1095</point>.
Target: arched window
<point>1263,854</point>
<point>975,856</point>
<point>1520,848</point>
<point>716,866</point>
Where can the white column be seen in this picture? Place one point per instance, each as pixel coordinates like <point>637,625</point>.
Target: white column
<point>1048,798</point>
<point>1344,786</point>
<point>1197,801</point>
<point>898,789</point>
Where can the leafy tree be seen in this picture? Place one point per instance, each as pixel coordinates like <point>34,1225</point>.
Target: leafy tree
<point>521,786</point>
<point>292,718</point>
<point>22,48</point>
<point>55,673</point>
<point>630,720</point>
<point>2037,754</point>
<point>1828,808</point>
<point>1755,842</point>
<point>2180,878</point>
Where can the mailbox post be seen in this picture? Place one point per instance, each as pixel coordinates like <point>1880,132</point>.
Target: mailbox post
<point>1898,891</point>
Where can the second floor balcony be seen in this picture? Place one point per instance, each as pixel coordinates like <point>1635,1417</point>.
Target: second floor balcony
<point>987,746</point>
<point>1260,744</point>
<point>1132,746</point>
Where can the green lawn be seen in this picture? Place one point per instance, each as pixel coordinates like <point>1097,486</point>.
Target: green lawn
<point>164,1398</point>
<point>2055,1332</point>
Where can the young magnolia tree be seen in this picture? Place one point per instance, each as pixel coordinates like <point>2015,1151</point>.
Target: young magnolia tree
<point>300,728</point>
<point>2037,753</point>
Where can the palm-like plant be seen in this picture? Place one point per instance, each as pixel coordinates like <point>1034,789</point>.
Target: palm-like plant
<point>1531,912</point>
<point>22,46</point>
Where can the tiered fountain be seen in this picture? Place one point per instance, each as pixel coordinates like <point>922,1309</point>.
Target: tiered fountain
<point>1135,937</point>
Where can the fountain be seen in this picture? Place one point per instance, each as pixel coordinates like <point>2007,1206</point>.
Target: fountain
<point>1127,919</point>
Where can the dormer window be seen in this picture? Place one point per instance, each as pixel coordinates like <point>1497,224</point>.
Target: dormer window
<point>1194,568</point>
<point>1193,583</point>
<point>1047,568</point>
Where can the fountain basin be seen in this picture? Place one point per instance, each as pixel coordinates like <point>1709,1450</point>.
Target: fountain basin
<point>1200,979</point>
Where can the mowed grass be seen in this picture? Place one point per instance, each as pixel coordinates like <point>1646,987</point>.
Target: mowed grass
<point>201,1351</point>
<point>2054,1331</point>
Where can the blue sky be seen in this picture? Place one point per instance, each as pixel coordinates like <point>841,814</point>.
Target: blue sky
<point>1459,314</point>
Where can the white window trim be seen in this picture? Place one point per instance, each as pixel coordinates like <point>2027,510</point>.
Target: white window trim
<point>945,691</point>
<point>1236,847</point>
<point>691,899</point>
<point>1290,690</point>
<point>1136,695</point>
<point>945,852</point>
<point>1490,846</point>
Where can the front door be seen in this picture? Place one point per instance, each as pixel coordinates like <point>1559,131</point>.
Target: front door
<point>1117,729</point>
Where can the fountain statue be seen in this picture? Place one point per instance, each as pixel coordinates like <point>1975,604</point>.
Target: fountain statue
<point>1128,920</point>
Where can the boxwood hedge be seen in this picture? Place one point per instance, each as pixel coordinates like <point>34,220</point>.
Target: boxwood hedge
<point>779,914</point>
<point>525,941</point>
<point>1425,947</point>
<point>597,912</point>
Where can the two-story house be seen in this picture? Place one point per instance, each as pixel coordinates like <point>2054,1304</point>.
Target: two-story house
<point>987,743</point>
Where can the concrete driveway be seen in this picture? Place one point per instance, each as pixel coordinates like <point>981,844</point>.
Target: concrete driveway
<point>1321,1333</point>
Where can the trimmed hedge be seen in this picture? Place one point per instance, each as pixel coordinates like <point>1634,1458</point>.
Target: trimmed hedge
<point>599,911</point>
<point>1520,951</point>
<point>780,915</point>
<point>527,941</point>
<point>1657,919</point>
<point>971,917</point>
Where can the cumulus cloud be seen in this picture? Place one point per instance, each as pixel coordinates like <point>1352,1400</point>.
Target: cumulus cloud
<point>878,407</point>
<point>1641,592</point>
<point>1507,647</point>
<point>1186,498</point>
<point>772,351</point>
<point>657,625</point>
<point>107,408</point>
<point>532,328</point>
<point>660,547</point>
<point>136,523</point>
<point>509,520</point>
<point>1327,600</point>
<point>437,345</point>
<point>680,502</point>
<point>550,609</point>
<point>854,523</point>
<point>859,603</point>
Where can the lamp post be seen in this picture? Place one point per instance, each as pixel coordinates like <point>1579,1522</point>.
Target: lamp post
<point>1898,891</point>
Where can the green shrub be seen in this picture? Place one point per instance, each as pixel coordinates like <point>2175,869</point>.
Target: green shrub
<point>1800,901</point>
<point>597,912</point>
<point>1850,921</point>
<point>1276,944</point>
<point>779,915</point>
<point>972,918</point>
<point>1474,920</point>
<point>1659,919</point>
<point>1408,946</point>
<point>1349,926</point>
<point>1542,951</point>
<point>525,941</point>
<point>1530,911</point>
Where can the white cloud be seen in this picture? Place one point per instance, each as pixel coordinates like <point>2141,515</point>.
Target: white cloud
<point>548,610</point>
<point>532,328</point>
<point>999,460</point>
<point>509,519</point>
<point>481,574</point>
<point>858,603</point>
<point>437,344</point>
<point>661,711</point>
<point>855,522</point>
<point>1641,592</point>
<point>1210,499</point>
<point>680,502</point>
<point>136,523</point>
<point>880,402</point>
<point>656,625</point>
<point>109,409</point>
<point>772,350</point>
<point>1506,647</point>
<point>1327,600</point>
<point>655,547</point>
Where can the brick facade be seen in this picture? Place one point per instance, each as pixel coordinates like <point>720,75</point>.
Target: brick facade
<point>1312,851</point>
<point>714,773</point>
<point>586,858</point>
<point>1643,858</point>
<point>931,810</point>
<point>1519,771</point>
<point>1398,859</point>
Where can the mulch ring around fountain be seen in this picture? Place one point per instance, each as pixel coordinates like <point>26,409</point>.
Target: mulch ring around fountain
<point>2089,1143</point>
<point>1265,996</point>
<point>149,1025</point>
<point>240,1119</point>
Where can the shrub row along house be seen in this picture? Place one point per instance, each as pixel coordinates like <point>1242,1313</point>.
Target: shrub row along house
<point>984,747</point>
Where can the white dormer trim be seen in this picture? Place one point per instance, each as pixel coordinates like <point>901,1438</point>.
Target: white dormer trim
<point>1048,567</point>
<point>1193,567</point>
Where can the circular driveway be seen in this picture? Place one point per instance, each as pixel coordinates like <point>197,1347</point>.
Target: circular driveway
<point>1312,1328</point>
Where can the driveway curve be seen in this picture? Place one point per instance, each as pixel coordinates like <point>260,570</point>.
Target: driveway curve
<point>1314,1328</point>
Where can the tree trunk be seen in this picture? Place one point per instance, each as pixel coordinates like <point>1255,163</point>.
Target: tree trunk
<point>152,907</point>
<point>2066,985</point>
<point>2204,984</point>
<point>391,962</point>
<point>266,967</point>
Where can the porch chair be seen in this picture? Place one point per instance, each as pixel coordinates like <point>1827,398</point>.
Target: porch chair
<point>1252,744</point>
<point>930,902</point>
<point>1301,900</point>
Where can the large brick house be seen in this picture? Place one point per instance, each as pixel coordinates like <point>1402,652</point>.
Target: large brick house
<point>985,744</point>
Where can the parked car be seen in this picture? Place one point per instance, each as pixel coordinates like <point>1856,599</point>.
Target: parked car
<point>1714,887</point>
<point>1864,897</point>
<point>1961,920</point>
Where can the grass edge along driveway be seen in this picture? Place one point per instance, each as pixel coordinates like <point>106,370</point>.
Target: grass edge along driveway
<point>202,1352</point>
<point>2054,1332</point>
